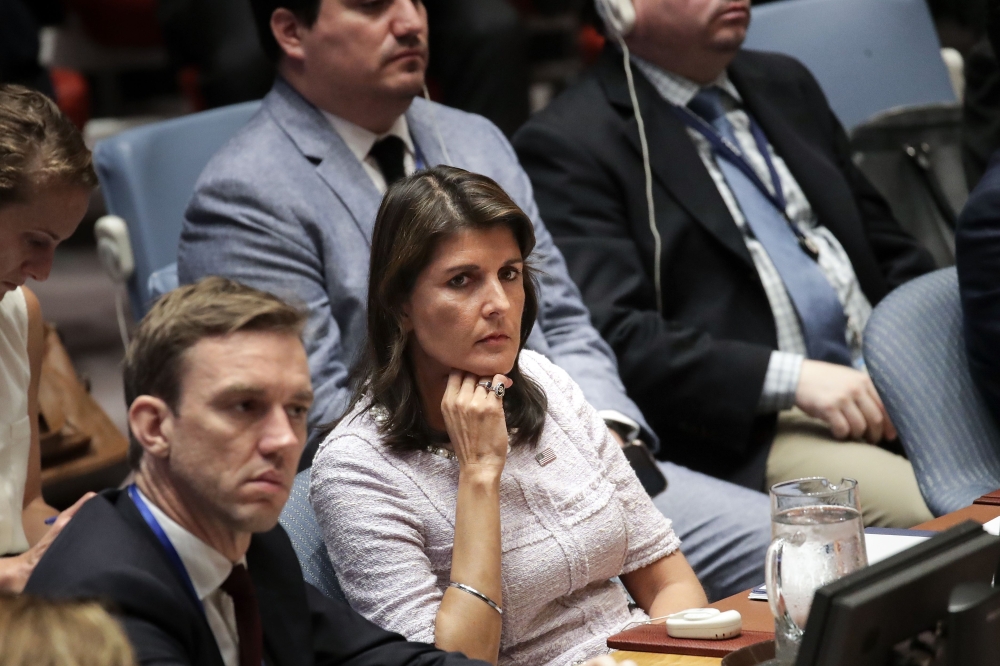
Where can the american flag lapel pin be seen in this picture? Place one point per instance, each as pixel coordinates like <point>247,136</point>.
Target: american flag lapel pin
<point>545,457</point>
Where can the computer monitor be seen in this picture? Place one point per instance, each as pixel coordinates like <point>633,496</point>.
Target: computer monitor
<point>856,621</point>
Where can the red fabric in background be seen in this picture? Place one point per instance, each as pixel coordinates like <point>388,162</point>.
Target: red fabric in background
<point>121,23</point>
<point>72,94</point>
<point>189,82</point>
<point>591,44</point>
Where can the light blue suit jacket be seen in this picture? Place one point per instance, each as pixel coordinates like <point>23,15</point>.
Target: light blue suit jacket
<point>286,207</point>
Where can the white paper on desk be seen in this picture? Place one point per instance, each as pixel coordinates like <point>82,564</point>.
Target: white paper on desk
<point>881,544</point>
<point>993,527</point>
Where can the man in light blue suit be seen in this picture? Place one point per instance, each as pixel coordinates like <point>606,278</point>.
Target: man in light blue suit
<point>288,206</point>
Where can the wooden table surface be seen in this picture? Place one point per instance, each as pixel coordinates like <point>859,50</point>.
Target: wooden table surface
<point>655,659</point>
<point>757,615</point>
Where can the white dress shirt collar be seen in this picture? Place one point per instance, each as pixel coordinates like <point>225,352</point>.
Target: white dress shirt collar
<point>207,567</point>
<point>208,570</point>
<point>679,90</point>
<point>360,140</point>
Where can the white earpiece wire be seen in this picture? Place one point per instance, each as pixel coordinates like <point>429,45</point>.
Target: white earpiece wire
<point>437,130</point>
<point>120,315</point>
<point>657,242</point>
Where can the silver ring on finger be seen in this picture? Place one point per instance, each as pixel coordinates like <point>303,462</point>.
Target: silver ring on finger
<point>499,390</point>
<point>486,384</point>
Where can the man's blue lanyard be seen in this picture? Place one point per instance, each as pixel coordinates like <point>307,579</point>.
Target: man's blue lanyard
<point>725,149</point>
<point>168,547</point>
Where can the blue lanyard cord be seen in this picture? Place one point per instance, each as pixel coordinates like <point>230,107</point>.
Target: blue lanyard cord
<point>724,148</point>
<point>168,547</point>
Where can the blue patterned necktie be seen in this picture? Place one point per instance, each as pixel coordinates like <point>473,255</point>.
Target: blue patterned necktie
<point>821,314</point>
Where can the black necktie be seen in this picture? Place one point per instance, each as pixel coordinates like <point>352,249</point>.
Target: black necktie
<point>240,588</point>
<point>388,152</point>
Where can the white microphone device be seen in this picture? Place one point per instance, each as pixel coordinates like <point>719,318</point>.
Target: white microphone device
<point>705,623</point>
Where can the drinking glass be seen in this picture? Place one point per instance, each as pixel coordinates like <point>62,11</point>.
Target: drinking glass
<point>817,536</point>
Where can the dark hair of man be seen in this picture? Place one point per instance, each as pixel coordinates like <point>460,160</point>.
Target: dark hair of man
<point>38,145</point>
<point>305,10</point>
<point>212,307</point>
<point>417,213</point>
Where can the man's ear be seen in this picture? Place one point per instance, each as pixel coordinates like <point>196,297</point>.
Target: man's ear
<point>151,422</point>
<point>287,31</point>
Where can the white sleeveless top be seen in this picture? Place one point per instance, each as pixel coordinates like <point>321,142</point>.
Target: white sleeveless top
<point>15,424</point>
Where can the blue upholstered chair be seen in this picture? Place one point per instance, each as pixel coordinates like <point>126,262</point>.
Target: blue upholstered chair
<point>299,521</point>
<point>915,353</point>
<point>147,178</point>
<point>868,55</point>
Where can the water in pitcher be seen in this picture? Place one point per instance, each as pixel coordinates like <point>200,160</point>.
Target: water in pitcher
<point>823,543</point>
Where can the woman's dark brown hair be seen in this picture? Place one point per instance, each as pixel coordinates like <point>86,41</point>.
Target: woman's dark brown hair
<point>417,213</point>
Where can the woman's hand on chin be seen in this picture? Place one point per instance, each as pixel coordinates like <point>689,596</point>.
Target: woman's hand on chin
<point>474,418</point>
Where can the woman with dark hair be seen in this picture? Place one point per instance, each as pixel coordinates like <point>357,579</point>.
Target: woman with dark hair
<point>45,182</point>
<point>471,497</point>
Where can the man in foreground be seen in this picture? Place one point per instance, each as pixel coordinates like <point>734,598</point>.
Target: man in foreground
<point>191,555</point>
<point>737,312</point>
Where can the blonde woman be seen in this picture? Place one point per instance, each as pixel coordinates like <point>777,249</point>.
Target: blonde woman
<point>36,632</point>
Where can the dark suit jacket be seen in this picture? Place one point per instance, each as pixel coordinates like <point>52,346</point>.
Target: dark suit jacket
<point>977,255</point>
<point>108,552</point>
<point>697,371</point>
<point>981,108</point>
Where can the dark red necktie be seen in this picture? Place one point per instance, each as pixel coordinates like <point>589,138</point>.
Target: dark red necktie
<point>240,588</point>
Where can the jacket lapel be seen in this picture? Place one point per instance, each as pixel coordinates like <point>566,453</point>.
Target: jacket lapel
<point>424,130</point>
<point>204,644</point>
<point>673,157</point>
<point>321,145</point>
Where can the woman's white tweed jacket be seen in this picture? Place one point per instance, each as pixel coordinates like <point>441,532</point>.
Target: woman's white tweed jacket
<point>567,529</point>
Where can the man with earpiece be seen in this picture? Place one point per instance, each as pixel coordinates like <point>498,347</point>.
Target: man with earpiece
<point>728,249</point>
<point>289,204</point>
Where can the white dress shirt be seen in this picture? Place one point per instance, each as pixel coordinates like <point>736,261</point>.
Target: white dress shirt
<point>360,141</point>
<point>208,569</point>
<point>782,377</point>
